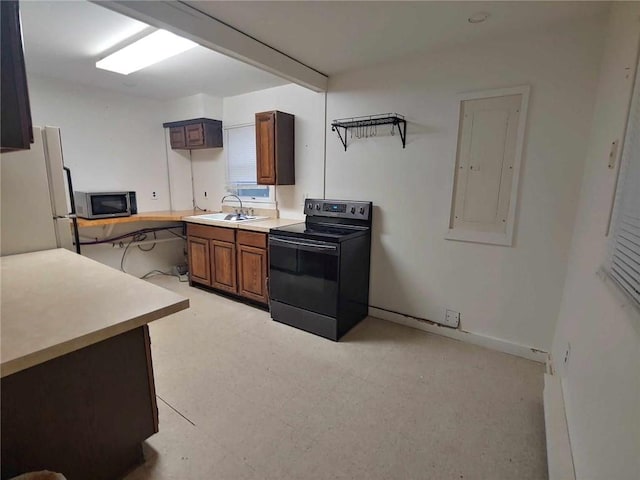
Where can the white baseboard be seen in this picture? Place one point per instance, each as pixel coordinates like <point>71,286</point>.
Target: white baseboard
<point>559,454</point>
<point>475,338</point>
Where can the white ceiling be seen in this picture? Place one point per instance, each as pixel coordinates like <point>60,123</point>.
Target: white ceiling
<point>64,39</point>
<point>332,37</point>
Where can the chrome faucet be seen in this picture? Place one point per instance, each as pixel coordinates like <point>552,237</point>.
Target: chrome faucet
<point>240,215</point>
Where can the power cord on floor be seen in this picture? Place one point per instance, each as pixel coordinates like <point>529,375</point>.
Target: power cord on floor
<point>181,278</point>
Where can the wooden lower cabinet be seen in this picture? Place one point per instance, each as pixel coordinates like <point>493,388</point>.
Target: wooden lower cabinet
<point>85,413</point>
<point>223,266</point>
<point>252,273</point>
<point>236,264</point>
<point>199,264</point>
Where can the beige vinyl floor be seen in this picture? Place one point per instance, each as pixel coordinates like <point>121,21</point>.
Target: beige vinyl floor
<point>243,397</point>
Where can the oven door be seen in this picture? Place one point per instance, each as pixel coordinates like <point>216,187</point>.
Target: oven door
<point>304,273</point>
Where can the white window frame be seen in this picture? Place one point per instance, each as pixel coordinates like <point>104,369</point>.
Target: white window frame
<point>504,239</point>
<point>229,188</point>
<point>632,127</point>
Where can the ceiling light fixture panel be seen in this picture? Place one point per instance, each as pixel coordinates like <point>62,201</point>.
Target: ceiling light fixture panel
<point>149,50</point>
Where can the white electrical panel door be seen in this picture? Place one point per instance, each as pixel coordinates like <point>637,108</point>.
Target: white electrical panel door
<point>487,162</point>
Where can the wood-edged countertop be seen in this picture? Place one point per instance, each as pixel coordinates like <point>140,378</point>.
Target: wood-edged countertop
<point>192,217</point>
<point>161,216</point>
<point>255,226</point>
<point>55,302</point>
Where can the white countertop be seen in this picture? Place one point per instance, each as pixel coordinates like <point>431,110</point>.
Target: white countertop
<point>55,302</point>
<point>255,226</point>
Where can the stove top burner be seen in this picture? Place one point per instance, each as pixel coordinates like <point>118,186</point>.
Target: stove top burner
<point>321,231</point>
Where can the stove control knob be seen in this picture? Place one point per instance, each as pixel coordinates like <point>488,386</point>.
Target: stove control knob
<point>310,206</point>
<point>353,210</point>
<point>317,206</point>
<point>361,210</point>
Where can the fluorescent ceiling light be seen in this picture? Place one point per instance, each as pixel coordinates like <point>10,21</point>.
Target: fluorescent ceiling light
<point>151,49</point>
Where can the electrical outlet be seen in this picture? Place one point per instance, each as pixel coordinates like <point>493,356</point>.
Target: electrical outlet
<point>154,196</point>
<point>452,319</point>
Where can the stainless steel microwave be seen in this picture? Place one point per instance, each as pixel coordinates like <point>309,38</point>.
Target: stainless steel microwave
<point>93,205</point>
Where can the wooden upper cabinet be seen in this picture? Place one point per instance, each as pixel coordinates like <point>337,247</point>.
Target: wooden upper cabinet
<point>15,123</point>
<point>195,134</point>
<point>275,148</point>
<point>177,137</point>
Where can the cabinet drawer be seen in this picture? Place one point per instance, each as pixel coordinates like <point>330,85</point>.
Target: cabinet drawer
<point>253,239</point>
<point>212,233</point>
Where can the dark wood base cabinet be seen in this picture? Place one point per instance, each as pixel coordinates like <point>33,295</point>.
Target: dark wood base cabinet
<point>84,414</point>
<point>252,266</point>
<point>199,263</point>
<point>233,263</point>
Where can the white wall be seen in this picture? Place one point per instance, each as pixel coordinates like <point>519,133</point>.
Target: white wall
<point>196,168</point>
<point>111,141</point>
<point>512,294</point>
<point>601,380</point>
<point>209,166</point>
<point>163,257</point>
<point>308,108</point>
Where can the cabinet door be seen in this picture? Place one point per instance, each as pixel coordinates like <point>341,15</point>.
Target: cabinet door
<point>265,148</point>
<point>252,273</point>
<point>195,135</point>
<point>199,264</point>
<point>177,137</point>
<point>223,265</point>
<point>15,124</point>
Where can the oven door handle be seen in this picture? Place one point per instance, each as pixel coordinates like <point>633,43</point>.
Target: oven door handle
<point>313,247</point>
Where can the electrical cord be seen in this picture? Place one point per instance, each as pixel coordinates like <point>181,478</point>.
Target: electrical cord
<point>139,236</point>
<point>153,273</point>
<point>125,253</point>
<point>153,245</point>
<point>130,234</point>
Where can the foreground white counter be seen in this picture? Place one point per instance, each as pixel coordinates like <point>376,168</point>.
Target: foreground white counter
<point>54,302</point>
<point>77,389</point>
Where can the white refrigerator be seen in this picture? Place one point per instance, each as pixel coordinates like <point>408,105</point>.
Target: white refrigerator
<point>35,212</point>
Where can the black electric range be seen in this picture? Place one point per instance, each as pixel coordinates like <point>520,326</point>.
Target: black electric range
<point>319,269</point>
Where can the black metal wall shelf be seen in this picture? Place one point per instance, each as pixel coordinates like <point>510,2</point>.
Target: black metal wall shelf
<point>367,126</point>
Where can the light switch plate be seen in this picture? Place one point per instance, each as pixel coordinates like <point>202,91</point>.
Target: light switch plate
<point>452,319</point>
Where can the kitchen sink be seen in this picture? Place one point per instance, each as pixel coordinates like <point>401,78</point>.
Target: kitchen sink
<point>228,217</point>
